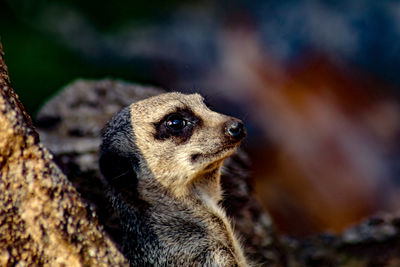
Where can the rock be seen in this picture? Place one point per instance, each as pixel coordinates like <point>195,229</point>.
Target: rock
<point>374,242</point>
<point>43,219</point>
<point>70,125</point>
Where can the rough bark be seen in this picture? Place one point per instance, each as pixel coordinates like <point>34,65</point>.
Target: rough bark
<point>43,219</point>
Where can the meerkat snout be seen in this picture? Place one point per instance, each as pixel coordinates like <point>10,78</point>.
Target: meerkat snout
<point>162,159</point>
<point>235,129</point>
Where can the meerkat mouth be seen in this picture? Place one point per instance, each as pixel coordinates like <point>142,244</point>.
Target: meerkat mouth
<point>214,156</point>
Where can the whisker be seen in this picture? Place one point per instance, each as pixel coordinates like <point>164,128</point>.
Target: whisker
<point>119,176</point>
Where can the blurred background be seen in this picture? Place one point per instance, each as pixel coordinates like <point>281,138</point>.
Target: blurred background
<point>316,82</point>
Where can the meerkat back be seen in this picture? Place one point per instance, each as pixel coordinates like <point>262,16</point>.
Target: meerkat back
<point>161,158</point>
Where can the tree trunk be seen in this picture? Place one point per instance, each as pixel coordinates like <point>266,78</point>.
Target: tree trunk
<point>43,220</point>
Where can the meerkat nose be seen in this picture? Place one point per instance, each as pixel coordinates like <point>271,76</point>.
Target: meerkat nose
<point>235,129</point>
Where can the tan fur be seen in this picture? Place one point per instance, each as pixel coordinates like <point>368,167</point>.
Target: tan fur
<point>176,164</point>
<point>168,178</point>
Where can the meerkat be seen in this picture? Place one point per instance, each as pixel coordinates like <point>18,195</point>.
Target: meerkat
<point>162,157</point>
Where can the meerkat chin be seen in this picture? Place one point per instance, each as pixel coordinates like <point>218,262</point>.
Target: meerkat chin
<point>161,158</point>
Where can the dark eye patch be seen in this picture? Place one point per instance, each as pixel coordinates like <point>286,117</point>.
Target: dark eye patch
<point>178,125</point>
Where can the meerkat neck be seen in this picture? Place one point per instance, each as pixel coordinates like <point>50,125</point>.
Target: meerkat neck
<point>211,203</point>
<point>204,193</point>
<point>203,184</point>
<point>208,184</point>
<point>208,188</point>
<point>184,188</point>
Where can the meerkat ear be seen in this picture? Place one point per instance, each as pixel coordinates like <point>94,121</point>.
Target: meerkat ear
<point>115,167</point>
<point>118,162</point>
<point>119,171</point>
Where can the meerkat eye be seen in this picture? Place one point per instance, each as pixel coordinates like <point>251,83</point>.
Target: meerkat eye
<point>175,122</point>
<point>178,125</point>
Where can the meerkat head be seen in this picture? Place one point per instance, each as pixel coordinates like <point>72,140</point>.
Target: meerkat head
<point>172,139</point>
